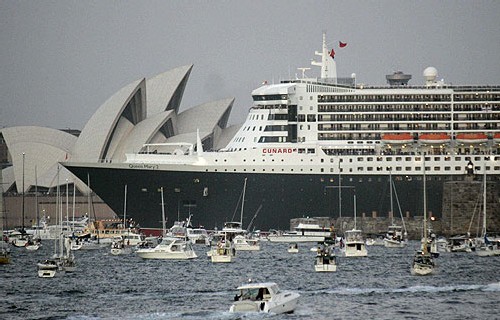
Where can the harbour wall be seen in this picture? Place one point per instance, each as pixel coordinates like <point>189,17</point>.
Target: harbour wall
<point>462,213</point>
<point>47,206</point>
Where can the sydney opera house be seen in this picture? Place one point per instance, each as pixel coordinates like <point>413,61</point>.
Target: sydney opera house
<point>145,111</point>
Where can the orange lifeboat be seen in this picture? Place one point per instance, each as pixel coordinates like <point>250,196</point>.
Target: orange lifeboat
<point>397,138</point>
<point>471,137</point>
<point>434,138</point>
<point>496,137</point>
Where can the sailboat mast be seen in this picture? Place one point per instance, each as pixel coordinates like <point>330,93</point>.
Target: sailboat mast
<point>164,223</point>
<point>340,193</point>
<point>243,201</point>
<point>392,205</point>
<point>484,202</point>
<point>37,232</point>
<point>23,199</point>
<point>125,208</point>
<point>425,211</point>
<point>355,210</point>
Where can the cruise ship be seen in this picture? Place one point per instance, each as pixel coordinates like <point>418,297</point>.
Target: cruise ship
<point>310,146</point>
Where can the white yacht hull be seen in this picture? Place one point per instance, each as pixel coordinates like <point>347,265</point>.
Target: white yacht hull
<point>288,239</point>
<point>325,267</point>
<point>277,307</point>
<point>394,243</point>
<point>422,270</point>
<point>166,255</point>
<point>121,251</point>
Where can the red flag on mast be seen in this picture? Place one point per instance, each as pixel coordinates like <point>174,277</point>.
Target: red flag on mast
<point>342,44</point>
<point>332,54</point>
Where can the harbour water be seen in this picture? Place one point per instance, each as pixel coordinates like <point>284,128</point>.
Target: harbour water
<point>127,287</point>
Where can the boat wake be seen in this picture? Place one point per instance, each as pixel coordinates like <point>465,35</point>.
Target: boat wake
<point>492,287</point>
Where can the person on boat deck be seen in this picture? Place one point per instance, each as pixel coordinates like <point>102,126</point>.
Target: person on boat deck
<point>260,295</point>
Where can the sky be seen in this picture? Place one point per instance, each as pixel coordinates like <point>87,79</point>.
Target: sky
<point>61,60</point>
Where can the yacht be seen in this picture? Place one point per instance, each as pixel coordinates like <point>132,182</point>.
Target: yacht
<point>304,232</point>
<point>354,244</point>
<point>264,297</point>
<point>326,260</point>
<point>169,248</point>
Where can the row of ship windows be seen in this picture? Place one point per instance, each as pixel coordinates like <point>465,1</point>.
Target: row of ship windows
<point>417,107</point>
<point>387,159</point>
<point>409,97</point>
<point>368,169</point>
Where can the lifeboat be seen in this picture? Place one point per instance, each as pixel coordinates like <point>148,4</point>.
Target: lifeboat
<point>397,138</point>
<point>434,138</point>
<point>496,137</point>
<point>472,137</point>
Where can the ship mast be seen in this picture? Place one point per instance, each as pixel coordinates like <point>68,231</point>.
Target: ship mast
<point>327,64</point>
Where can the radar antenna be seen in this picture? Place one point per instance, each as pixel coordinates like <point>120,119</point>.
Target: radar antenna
<point>303,71</point>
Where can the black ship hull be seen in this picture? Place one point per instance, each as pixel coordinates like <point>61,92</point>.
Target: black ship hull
<point>214,197</point>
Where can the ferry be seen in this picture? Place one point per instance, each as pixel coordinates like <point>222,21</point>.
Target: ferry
<point>308,144</point>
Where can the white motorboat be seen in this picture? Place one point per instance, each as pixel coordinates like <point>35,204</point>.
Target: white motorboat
<point>169,248</point>
<point>423,264</point>
<point>198,236</point>
<point>48,268</point>
<point>222,251</point>
<point>243,243</point>
<point>326,260</point>
<point>264,297</point>
<point>120,247</point>
<point>33,245</point>
<point>293,248</point>
<point>461,243</point>
<point>303,232</point>
<point>354,244</point>
<point>394,237</point>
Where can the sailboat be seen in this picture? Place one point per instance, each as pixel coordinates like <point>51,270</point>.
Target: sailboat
<point>423,262</point>
<point>35,242</point>
<point>234,230</point>
<point>119,246</point>
<point>170,247</point>
<point>21,238</point>
<point>395,236</point>
<point>63,259</point>
<point>354,243</point>
<point>485,247</point>
<point>4,247</point>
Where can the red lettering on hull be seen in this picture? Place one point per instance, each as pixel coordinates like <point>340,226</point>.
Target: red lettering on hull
<point>278,150</point>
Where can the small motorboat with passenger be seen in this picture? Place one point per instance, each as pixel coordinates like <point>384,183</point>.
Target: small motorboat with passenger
<point>264,297</point>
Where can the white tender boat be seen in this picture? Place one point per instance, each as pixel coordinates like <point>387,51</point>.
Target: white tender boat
<point>243,243</point>
<point>423,264</point>
<point>293,248</point>
<point>325,261</point>
<point>48,268</point>
<point>264,297</point>
<point>222,250</point>
<point>354,244</point>
<point>120,247</point>
<point>169,248</point>
<point>394,237</point>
